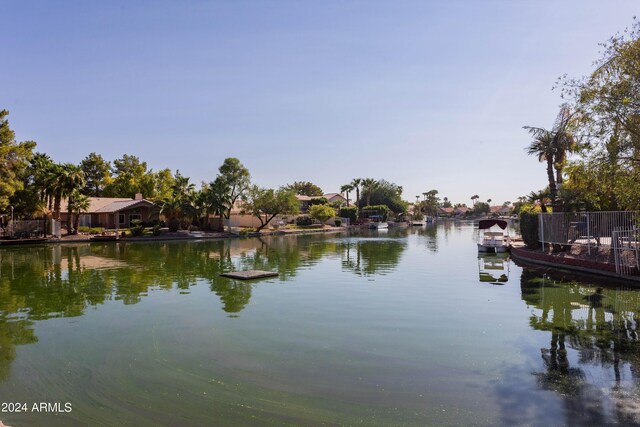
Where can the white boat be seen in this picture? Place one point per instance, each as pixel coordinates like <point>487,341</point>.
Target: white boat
<point>377,223</point>
<point>493,241</point>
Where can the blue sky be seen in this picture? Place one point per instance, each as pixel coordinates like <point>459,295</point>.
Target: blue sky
<point>426,94</point>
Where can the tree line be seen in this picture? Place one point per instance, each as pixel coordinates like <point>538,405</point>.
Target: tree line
<point>592,151</point>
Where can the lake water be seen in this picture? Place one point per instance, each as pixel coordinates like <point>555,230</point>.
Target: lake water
<point>397,327</point>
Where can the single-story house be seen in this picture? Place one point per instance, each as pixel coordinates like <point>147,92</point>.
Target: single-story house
<point>445,212</point>
<point>500,210</point>
<point>114,212</point>
<point>461,210</point>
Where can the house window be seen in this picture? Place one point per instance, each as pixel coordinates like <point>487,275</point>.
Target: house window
<point>133,217</point>
<point>121,219</point>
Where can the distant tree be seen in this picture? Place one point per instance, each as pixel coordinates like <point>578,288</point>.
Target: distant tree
<point>236,179</point>
<point>368,186</point>
<point>265,204</point>
<point>481,208</point>
<point>385,193</point>
<point>489,201</point>
<point>356,182</point>
<point>431,202</point>
<point>474,198</point>
<point>446,203</point>
<point>14,158</point>
<point>347,188</point>
<point>97,174</point>
<point>305,188</point>
<point>322,213</point>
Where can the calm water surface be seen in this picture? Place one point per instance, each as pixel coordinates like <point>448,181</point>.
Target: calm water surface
<point>397,327</point>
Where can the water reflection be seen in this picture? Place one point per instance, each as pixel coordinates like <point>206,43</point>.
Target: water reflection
<point>593,358</point>
<point>493,268</point>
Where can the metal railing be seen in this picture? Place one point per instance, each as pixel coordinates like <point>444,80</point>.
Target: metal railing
<point>590,229</point>
<point>626,251</point>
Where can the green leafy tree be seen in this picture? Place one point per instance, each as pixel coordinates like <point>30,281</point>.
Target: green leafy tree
<point>265,204</point>
<point>163,183</point>
<point>130,177</point>
<point>607,103</point>
<point>322,213</point>
<point>386,193</point>
<point>305,188</point>
<point>97,174</point>
<point>14,158</point>
<point>237,179</point>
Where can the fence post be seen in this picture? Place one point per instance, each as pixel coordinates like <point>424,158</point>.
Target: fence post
<point>588,235</point>
<point>541,229</point>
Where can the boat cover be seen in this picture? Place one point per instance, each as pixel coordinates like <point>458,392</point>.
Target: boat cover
<point>488,223</point>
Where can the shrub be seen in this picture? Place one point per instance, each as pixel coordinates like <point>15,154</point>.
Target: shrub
<point>529,228</point>
<point>318,201</point>
<point>322,213</point>
<point>174,224</point>
<point>156,229</point>
<point>304,220</point>
<point>350,212</point>
<point>136,228</point>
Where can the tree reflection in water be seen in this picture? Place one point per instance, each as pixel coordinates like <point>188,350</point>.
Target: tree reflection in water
<point>597,328</point>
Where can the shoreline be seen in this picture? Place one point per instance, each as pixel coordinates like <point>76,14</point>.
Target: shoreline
<point>177,236</point>
<point>536,257</point>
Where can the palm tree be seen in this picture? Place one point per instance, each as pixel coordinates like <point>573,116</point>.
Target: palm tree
<point>474,198</point>
<point>78,204</point>
<point>71,178</point>
<point>552,146</point>
<point>368,185</point>
<point>356,182</point>
<point>542,146</point>
<point>172,210</point>
<point>219,199</point>
<point>347,188</point>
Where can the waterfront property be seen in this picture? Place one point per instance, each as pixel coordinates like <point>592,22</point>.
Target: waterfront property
<point>110,212</point>
<point>404,326</point>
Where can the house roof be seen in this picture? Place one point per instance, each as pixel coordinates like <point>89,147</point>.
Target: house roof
<point>108,204</point>
<point>329,196</point>
<point>302,197</point>
<point>95,203</point>
<point>446,210</point>
<point>121,205</point>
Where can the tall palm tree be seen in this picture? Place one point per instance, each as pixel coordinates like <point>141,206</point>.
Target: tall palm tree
<point>368,185</point>
<point>71,178</point>
<point>542,146</point>
<point>356,182</point>
<point>347,188</point>
<point>474,198</point>
<point>219,199</point>
<point>552,146</point>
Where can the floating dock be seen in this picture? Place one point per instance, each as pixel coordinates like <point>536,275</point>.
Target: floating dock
<point>249,274</point>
